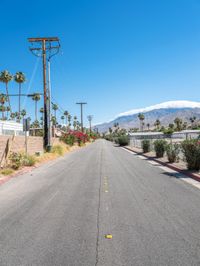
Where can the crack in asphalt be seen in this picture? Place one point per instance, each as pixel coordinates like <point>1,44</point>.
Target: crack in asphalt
<point>98,211</point>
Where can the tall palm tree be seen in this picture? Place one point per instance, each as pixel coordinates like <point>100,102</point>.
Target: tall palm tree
<point>20,78</point>
<point>62,118</point>
<point>75,122</point>
<point>6,77</point>
<point>36,98</point>
<point>69,120</point>
<point>23,113</point>
<point>7,110</point>
<point>55,108</point>
<point>66,113</point>
<point>3,100</point>
<point>141,118</point>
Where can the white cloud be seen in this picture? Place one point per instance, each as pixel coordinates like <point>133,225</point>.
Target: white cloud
<point>165,105</point>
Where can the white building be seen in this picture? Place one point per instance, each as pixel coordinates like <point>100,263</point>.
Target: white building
<point>11,128</point>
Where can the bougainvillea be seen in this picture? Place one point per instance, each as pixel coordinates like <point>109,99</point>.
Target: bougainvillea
<point>74,136</point>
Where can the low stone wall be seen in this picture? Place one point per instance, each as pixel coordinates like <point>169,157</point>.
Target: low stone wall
<point>35,144</point>
<point>17,143</point>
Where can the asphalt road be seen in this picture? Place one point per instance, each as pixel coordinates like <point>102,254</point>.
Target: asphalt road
<point>59,214</point>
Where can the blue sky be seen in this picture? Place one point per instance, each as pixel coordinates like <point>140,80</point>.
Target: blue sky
<point>116,54</point>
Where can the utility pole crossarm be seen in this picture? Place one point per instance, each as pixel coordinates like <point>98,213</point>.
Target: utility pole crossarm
<point>81,104</point>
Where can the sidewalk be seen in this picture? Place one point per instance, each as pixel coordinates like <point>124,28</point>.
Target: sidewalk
<point>179,167</point>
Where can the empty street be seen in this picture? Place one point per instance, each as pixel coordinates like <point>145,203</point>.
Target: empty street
<point>62,212</point>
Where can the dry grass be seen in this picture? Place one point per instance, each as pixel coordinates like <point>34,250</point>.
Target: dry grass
<point>6,171</point>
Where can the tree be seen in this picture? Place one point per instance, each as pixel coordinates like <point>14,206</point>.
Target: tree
<point>75,122</point>
<point>157,123</point>
<point>36,98</point>
<point>192,120</point>
<point>62,118</point>
<point>6,77</point>
<point>7,111</point>
<point>20,78</point>
<point>3,100</point>
<point>55,108</point>
<point>12,116</point>
<point>178,122</point>
<point>141,118</point>
<point>23,113</point>
<point>148,126</point>
<point>69,120</point>
<point>66,113</point>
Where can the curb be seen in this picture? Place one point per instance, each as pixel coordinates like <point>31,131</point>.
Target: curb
<point>184,172</point>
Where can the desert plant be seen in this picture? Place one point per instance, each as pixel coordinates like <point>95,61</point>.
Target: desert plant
<point>146,145</point>
<point>29,160</point>
<point>16,160</point>
<point>58,149</point>
<point>172,151</point>
<point>191,151</point>
<point>123,140</point>
<point>159,146</point>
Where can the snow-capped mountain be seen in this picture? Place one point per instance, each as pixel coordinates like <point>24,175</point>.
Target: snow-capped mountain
<point>166,112</point>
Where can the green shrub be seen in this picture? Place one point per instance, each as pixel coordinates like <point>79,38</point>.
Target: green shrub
<point>69,139</point>
<point>191,151</point>
<point>159,146</point>
<point>19,159</point>
<point>16,160</point>
<point>146,145</point>
<point>172,151</point>
<point>58,149</point>
<point>29,160</point>
<point>123,140</point>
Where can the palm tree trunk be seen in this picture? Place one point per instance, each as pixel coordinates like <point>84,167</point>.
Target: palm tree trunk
<point>19,98</point>
<point>35,110</point>
<point>8,95</point>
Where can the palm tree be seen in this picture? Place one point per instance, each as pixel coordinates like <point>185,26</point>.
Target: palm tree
<point>157,123</point>
<point>55,108</point>
<point>148,126</point>
<point>178,123</point>
<point>23,113</point>
<point>17,116</point>
<point>66,113</point>
<point>192,120</point>
<point>53,120</point>
<point>20,78</point>
<point>3,100</point>
<point>62,118</point>
<point>75,122</point>
<point>12,116</point>
<point>141,118</point>
<point>6,77</point>
<point>7,110</point>
<point>36,98</point>
<point>69,120</point>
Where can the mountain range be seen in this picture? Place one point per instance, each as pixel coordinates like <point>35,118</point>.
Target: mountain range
<point>166,112</point>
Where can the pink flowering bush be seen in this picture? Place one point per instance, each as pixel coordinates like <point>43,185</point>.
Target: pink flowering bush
<point>72,137</point>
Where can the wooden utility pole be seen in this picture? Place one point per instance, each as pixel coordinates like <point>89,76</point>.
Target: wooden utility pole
<point>81,104</point>
<point>42,47</point>
<point>90,117</point>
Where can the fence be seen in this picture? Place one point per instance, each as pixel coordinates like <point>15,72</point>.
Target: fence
<point>135,139</point>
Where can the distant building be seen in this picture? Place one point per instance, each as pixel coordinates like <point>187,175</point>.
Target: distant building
<point>11,128</point>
